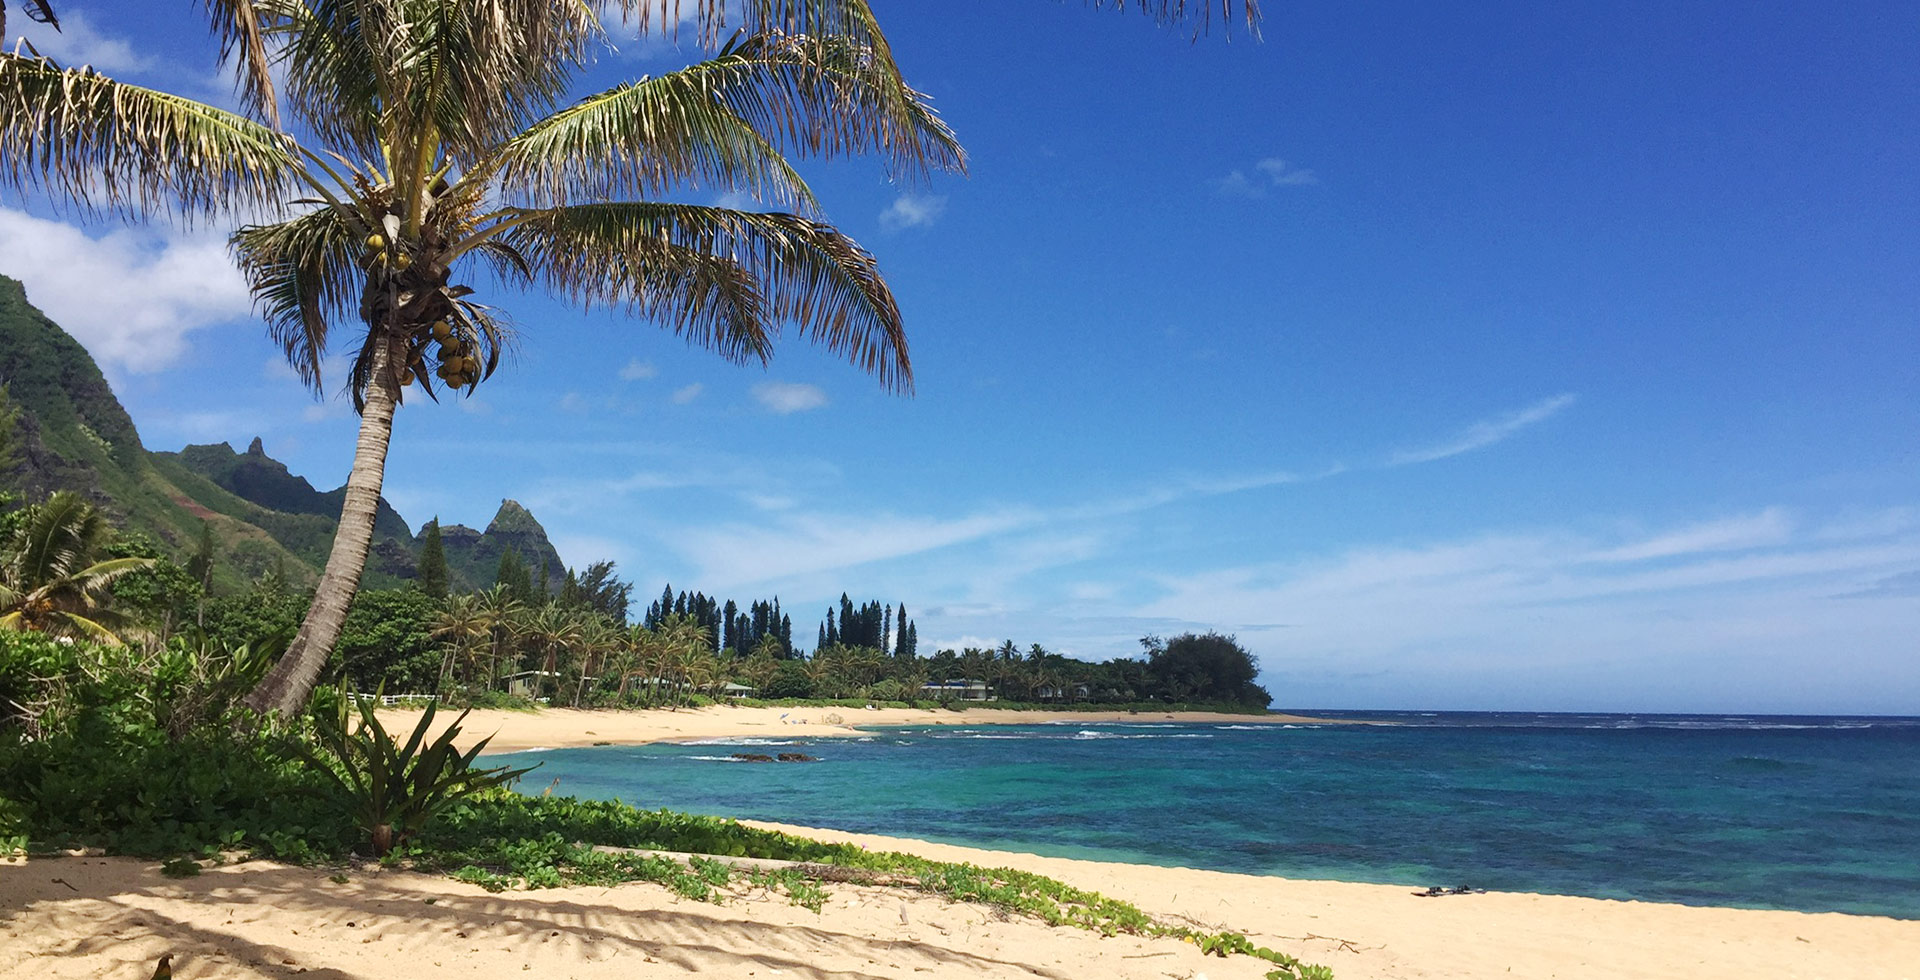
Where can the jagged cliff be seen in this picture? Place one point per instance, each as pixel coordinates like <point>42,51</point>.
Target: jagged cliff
<point>73,434</point>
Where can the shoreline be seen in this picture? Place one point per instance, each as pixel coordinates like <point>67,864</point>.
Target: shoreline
<point>568,728</point>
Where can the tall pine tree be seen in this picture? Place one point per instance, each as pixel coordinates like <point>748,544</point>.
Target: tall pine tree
<point>432,577</point>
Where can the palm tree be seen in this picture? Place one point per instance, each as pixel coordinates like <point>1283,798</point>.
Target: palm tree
<point>440,148</point>
<point>599,639</point>
<point>501,615</point>
<point>466,158</point>
<point>53,579</point>
<point>462,623</point>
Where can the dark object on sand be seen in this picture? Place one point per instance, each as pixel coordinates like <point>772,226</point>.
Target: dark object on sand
<point>164,971</point>
<point>1438,892</point>
<point>796,757</point>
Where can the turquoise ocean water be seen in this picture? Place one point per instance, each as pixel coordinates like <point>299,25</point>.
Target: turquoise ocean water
<point>1816,814</point>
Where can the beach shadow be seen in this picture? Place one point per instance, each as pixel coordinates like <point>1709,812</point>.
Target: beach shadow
<point>395,918</point>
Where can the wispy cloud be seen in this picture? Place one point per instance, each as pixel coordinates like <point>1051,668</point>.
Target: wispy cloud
<point>78,42</point>
<point>913,211</point>
<point>1530,612</point>
<point>639,370</point>
<point>1269,174</point>
<point>1486,432</point>
<point>1768,527</point>
<point>166,284</point>
<point>786,398</point>
<point>685,394</point>
<point>798,544</point>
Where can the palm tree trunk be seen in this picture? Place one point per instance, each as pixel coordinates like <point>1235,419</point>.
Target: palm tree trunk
<point>285,689</point>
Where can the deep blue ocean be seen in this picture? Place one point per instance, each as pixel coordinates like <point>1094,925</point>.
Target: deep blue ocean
<point>1811,813</point>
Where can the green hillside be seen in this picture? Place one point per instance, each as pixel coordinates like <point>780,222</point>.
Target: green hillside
<point>71,433</point>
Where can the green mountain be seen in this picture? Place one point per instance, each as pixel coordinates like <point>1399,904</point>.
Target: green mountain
<point>73,434</point>
<point>473,557</point>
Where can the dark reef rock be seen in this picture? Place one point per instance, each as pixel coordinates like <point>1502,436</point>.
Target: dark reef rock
<point>796,757</point>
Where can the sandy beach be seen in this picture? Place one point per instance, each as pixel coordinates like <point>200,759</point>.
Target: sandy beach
<point>559,728</point>
<point>112,917</point>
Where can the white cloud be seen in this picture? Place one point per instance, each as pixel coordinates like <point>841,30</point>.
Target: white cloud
<point>737,554</point>
<point>1269,173</point>
<point>78,43</point>
<point>913,211</point>
<point>1684,617</point>
<point>669,28</point>
<point>786,398</point>
<point>638,370</point>
<point>1769,527</point>
<point>131,295</point>
<point>1280,174</point>
<point>1486,432</point>
<point>685,395</point>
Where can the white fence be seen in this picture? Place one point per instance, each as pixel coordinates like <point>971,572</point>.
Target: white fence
<point>390,700</point>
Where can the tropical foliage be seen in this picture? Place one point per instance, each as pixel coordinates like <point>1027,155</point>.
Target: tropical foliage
<point>55,574</point>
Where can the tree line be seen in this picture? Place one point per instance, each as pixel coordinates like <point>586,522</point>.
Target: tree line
<point>64,571</point>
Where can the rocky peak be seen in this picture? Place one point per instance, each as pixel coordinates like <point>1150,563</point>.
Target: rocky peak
<point>254,448</point>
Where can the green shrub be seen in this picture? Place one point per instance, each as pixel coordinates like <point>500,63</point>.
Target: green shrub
<point>392,790</point>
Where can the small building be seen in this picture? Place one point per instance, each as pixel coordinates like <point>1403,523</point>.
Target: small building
<point>732,690</point>
<point>958,689</point>
<point>527,683</point>
<point>1077,692</point>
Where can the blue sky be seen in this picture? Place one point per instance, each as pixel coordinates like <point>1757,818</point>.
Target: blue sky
<point>1453,356</point>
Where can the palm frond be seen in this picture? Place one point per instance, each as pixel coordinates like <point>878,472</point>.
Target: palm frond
<point>727,121</point>
<point>105,145</point>
<point>58,535</point>
<point>475,71</point>
<point>1198,15</point>
<point>716,18</point>
<point>242,27</point>
<point>304,276</point>
<point>725,280</point>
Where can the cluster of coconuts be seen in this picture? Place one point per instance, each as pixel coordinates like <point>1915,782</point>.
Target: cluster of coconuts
<point>458,367</point>
<point>377,252</point>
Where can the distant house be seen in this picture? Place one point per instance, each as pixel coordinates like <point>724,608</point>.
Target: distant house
<point>1051,693</point>
<point>732,690</point>
<point>527,683</point>
<point>958,689</point>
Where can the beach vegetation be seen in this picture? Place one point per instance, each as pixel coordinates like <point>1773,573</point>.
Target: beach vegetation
<point>100,763</point>
<point>392,789</point>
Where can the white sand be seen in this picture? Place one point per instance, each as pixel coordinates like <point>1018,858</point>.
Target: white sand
<point>567,728</point>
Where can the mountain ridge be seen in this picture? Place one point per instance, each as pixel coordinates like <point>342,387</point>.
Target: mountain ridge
<point>73,434</point>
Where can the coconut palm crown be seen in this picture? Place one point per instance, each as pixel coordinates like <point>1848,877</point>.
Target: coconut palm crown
<point>438,153</point>
<point>53,576</point>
